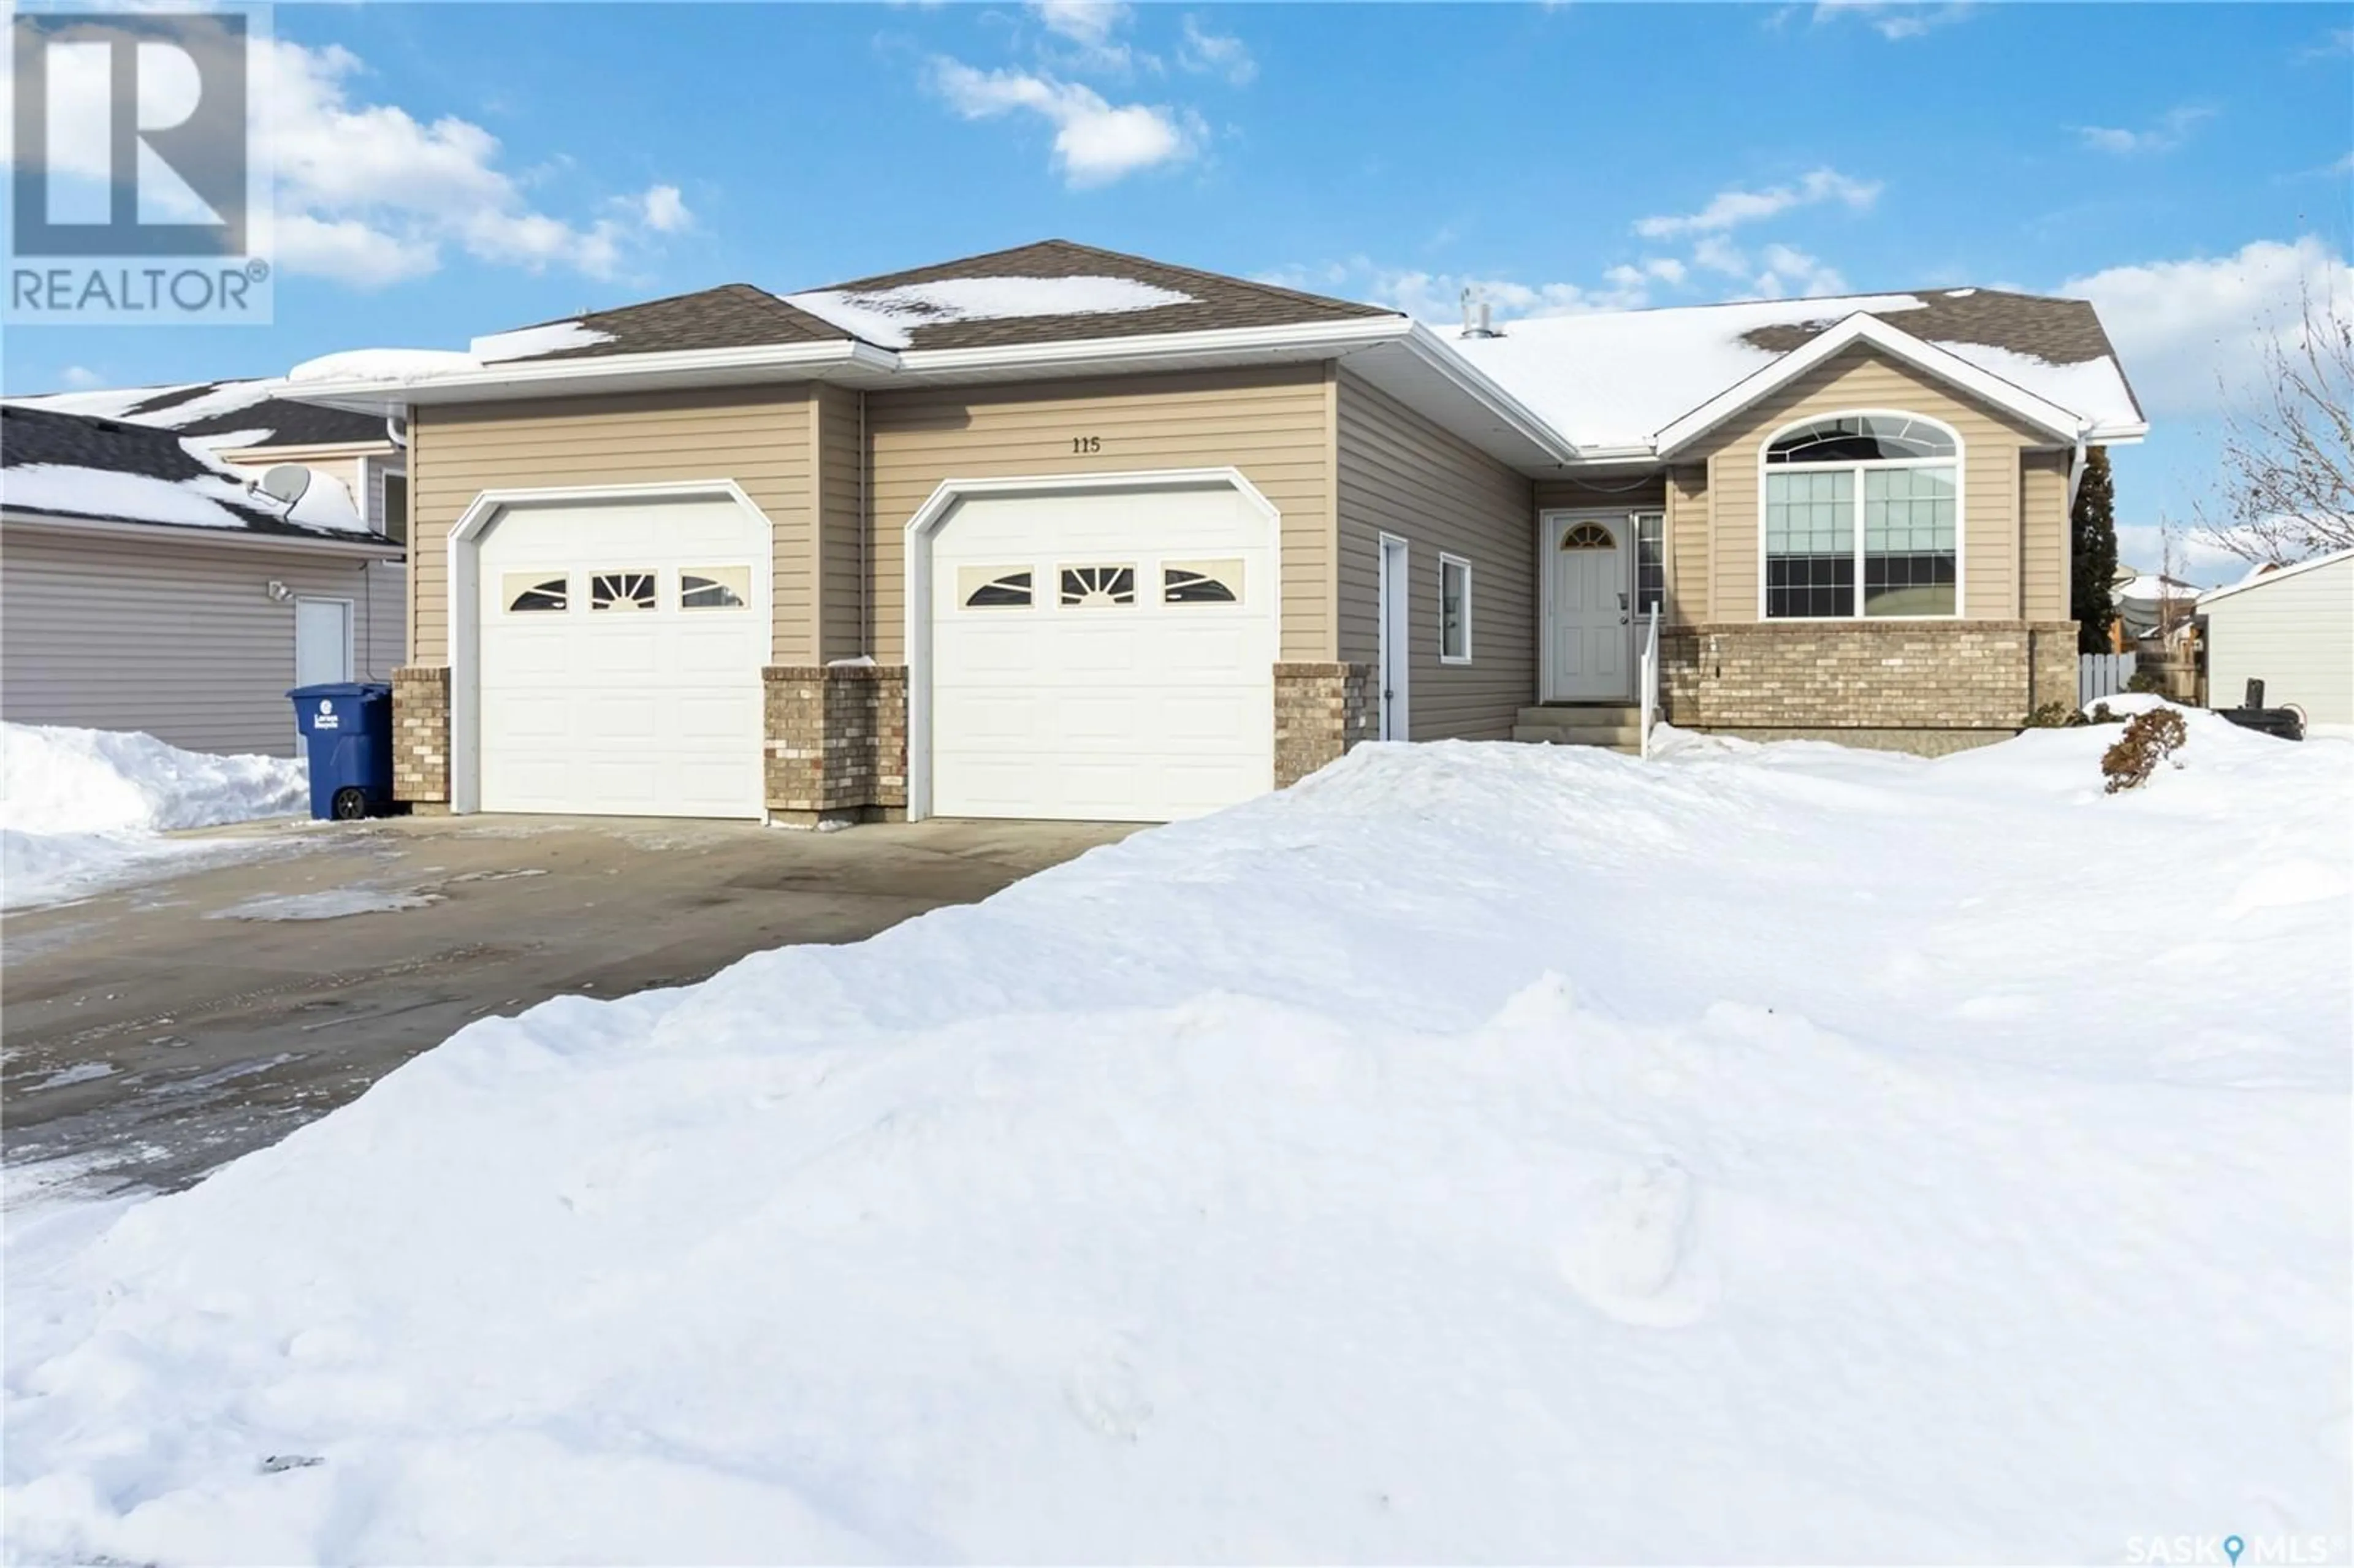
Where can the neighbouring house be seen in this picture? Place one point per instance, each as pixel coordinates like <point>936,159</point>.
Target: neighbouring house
<point>2291,628</point>
<point>146,584</point>
<point>1059,531</point>
<point>2152,607</point>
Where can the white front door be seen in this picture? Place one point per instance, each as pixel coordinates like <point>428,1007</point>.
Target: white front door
<point>323,642</point>
<point>621,649</point>
<point>1592,619</point>
<point>1104,656</point>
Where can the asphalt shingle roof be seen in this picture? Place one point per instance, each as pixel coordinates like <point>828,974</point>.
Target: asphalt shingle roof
<point>33,437</point>
<point>2056,331</point>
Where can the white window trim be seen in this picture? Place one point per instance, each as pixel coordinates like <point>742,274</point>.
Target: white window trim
<point>1959,462</point>
<point>1445,561</point>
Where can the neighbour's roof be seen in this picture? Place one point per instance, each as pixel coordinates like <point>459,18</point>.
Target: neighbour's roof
<point>1045,293</point>
<point>1618,378</point>
<point>76,466</point>
<point>232,415</point>
<point>2265,576</point>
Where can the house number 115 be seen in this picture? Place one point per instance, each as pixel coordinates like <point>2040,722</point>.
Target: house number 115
<point>1082,445</point>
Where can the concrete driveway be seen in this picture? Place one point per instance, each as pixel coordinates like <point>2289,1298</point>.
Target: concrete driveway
<point>156,1032</point>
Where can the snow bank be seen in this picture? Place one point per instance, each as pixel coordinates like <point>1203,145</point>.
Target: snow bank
<point>1475,1153</point>
<point>78,806</point>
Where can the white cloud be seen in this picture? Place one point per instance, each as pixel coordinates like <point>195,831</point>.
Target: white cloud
<point>1792,274</point>
<point>1090,22</point>
<point>80,378</point>
<point>1666,269</point>
<point>1894,22</point>
<point>1719,254</point>
<point>370,194</point>
<point>2172,129</point>
<point>2192,333</point>
<point>1096,142</point>
<point>1729,208</point>
<point>1216,54</point>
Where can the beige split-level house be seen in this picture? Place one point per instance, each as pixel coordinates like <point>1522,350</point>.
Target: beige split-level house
<point>1059,532</point>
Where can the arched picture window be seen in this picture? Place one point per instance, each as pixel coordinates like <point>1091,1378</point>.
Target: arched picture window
<point>1099,587</point>
<point>715,587</point>
<point>1201,582</point>
<point>1588,536</point>
<point>621,590</point>
<point>535,593</point>
<point>1868,501</point>
<point>993,588</point>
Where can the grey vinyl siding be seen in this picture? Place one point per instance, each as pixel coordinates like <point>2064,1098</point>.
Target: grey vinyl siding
<point>1402,475</point>
<point>180,641</point>
<point>2295,635</point>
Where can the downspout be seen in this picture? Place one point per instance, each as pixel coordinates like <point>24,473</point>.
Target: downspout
<point>2076,467</point>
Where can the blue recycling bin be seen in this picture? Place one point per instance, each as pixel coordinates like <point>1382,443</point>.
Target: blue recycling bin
<point>347,727</point>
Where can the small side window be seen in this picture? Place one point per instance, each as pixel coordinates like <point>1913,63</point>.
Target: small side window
<point>1097,586</point>
<point>1454,611</point>
<point>532,593</point>
<point>993,588</point>
<point>715,587</point>
<point>621,590</point>
<point>1201,582</point>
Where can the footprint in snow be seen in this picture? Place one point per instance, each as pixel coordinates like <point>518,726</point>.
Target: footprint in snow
<point>1105,1392</point>
<point>1634,1261</point>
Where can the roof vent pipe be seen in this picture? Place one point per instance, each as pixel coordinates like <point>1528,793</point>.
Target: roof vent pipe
<point>1478,317</point>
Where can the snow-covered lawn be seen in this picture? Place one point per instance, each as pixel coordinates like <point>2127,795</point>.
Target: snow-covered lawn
<point>81,808</point>
<point>1474,1153</point>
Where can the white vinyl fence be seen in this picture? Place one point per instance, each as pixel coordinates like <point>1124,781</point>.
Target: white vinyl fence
<point>2101,675</point>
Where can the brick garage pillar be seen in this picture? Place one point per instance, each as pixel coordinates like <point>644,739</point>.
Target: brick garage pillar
<point>1321,711</point>
<point>421,736</point>
<point>836,743</point>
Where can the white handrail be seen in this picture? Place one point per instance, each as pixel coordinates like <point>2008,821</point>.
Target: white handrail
<point>1651,678</point>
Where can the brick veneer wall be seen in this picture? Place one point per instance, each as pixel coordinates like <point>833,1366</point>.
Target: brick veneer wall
<point>1321,711</point>
<point>836,742</point>
<point>421,734</point>
<point>1917,685</point>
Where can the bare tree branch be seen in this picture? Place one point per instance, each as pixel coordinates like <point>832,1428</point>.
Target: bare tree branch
<point>2287,459</point>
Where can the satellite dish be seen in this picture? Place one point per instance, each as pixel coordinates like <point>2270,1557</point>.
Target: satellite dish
<point>285,483</point>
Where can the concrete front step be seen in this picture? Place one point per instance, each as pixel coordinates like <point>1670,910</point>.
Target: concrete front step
<point>1628,746</point>
<point>1581,713</point>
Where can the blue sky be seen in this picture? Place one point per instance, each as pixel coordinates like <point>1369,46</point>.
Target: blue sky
<point>447,170</point>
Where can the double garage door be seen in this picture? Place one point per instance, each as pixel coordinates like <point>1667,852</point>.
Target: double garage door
<point>620,654</point>
<point>1092,656</point>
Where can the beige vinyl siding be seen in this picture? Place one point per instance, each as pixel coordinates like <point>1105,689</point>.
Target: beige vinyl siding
<point>2297,635</point>
<point>842,524</point>
<point>759,437</point>
<point>1270,424</point>
<point>1689,546</point>
<point>2045,538</point>
<point>1862,379</point>
<point>181,640</point>
<point>1401,474</point>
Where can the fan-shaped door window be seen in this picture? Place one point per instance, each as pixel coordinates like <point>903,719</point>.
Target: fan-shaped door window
<point>1201,582</point>
<point>621,590</point>
<point>1588,536</point>
<point>715,587</point>
<point>994,588</point>
<point>1096,587</point>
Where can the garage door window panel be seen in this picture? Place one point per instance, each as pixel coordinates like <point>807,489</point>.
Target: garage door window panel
<point>1201,582</point>
<point>622,590</point>
<point>715,587</point>
<point>994,588</point>
<point>535,593</point>
<point>1099,588</point>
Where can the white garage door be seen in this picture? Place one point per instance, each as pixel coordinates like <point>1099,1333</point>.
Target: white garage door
<point>620,654</point>
<point>1102,657</point>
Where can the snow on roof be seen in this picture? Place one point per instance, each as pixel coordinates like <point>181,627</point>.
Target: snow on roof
<point>226,415</point>
<point>1618,378</point>
<point>886,317</point>
<point>2262,578</point>
<point>2150,588</point>
<point>530,343</point>
<point>384,365</point>
<point>104,493</point>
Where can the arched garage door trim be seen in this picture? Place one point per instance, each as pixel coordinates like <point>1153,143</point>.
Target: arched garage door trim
<point>464,597</point>
<point>943,501</point>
